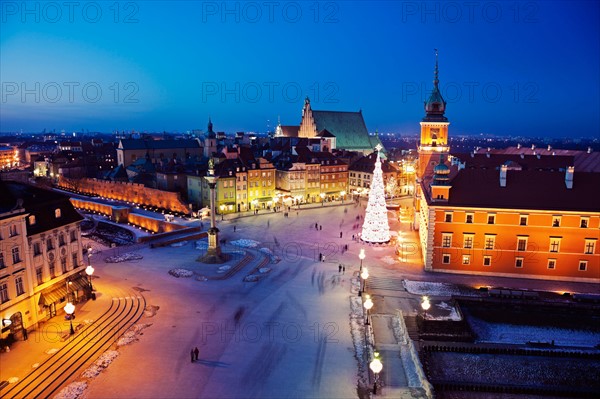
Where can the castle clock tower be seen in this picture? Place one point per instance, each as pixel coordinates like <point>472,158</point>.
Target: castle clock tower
<point>434,129</point>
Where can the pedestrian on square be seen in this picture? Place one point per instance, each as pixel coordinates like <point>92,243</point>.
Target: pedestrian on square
<point>196,353</point>
<point>340,234</point>
<point>316,226</point>
<point>343,269</point>
<point>234,227</point>
<point>320,257</point>
<point>192,354</point>
<point>320,227</point>
<point>340,268</point>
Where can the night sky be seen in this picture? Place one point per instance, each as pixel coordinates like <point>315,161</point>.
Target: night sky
<point>506,68</point>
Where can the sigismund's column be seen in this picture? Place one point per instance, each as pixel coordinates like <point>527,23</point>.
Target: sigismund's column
<point>213,253</point>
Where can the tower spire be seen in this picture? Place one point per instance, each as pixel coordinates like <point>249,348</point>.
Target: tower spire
<point>436,80</point>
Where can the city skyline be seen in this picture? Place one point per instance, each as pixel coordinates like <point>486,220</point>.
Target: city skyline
<point>147,66</point>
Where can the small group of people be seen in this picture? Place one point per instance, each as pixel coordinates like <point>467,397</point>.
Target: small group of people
<point>342,268</point>
<point>318,226</point>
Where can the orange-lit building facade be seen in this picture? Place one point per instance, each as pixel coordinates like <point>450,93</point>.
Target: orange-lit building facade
<point>505,213</point>
<point>516,223</point>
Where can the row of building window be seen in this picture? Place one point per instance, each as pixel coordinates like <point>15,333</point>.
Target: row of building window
<point>519,262</point>
<point>16,257</point>
<point>523,219</point>
<point>522,241</point>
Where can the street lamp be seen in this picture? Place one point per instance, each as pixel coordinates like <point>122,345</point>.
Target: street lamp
<point>70,310</point>
<point>343,194</point>
<point>376,366</point>
<point>425,305</point>
<point>222,208</point>
<point>368,305</point>
<point>89,270</point>
<point>322,195</point>
<point>361,256</point>
<point>365,276</point>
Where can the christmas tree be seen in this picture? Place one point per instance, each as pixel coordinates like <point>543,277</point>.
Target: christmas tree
<point>376,228</point>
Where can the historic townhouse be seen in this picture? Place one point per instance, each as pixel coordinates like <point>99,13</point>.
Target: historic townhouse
<point>361,174</point>
<point>41,256</point>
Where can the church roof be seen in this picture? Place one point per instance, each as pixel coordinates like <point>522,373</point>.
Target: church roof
<point>290,130</point>
<point>348,127</point>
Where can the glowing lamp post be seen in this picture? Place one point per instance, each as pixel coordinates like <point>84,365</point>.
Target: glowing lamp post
<point>70,310</point>
<point>425,305</point>
<point>376,366</point>
<point>364,275</point>
<point>368,305</point>
<point>361,256</point>
<point>89,270</point>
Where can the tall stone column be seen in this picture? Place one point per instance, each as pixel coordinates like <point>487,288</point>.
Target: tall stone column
<point>213,253</point>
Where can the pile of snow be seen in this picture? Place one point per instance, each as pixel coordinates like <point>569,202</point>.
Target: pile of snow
<point>131,334</point>
<point>13,380</point>
<point>103,362</point>
<point>245,243</point>
<point>453,313</point>
<point>123,258</point>
<point>389,260</point>
<point>72,391</point>
<point>201,244</point>
<point>223,269</point>
<point>51,351</point>
<point>251,278</point>
<point>264,270</point>
<point>201,278</point>
<point>181,273</point>
<point>357,331</point>
<point>434,289</point>
<point>178,244</point>
<point>151,310</point>
<point>269,253</point>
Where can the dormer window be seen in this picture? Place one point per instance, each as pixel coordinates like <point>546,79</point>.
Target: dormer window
<point>57,213</point>
<point>31,220</point>
<point>555,221</point>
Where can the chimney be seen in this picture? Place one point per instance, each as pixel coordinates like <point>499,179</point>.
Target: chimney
<point>503,170</point>
<point>569,177</point>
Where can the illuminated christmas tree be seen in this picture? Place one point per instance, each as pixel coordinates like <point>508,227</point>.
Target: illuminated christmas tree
<point>376,228</point>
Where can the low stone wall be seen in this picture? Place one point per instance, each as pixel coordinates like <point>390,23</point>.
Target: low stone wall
<point>128,192</point>
<point>117,214</point>
<point>410,357</point>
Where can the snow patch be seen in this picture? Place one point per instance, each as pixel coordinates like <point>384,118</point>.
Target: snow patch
<point>51,351</point>
<point>181,273</point>
<point>389,260</point>
<point>72,391</point>
<point>178,244</point>
<point>123,258</point>
<point>245,243</point>
<point>13,380</point>
<point>264,269</point>
<point>201,244</point>
<point>434,289</point>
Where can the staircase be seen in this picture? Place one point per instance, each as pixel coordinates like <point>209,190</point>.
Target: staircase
<point>412,329</point>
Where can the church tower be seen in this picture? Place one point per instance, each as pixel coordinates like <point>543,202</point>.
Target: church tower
<point>434,129</point>
<point>210,141</point>
<point>308,127</point>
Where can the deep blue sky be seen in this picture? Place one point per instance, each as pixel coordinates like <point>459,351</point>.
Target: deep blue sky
<point>518,68</point>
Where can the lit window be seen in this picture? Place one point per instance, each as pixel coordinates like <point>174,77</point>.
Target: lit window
<point>57,213</point>
<point>468,241</point>
<point>554,244</point>
<point>466,260</point>
<point>552,264</point>
<point>19,285</point>
<point>446,259</point>
<point>446,240</point>
<point>487,260</point>
<point>555,221</point>
<point>490,241</point>
<point>583,265</point>
<point>469,218</point>
<point>31,220</point>
<point>518,262</point>
<point>3,293</point>
<point>12,230</point>
<point>584,222</point>
<point>590,246</point>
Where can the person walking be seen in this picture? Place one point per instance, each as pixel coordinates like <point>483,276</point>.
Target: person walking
<point>343,269</point>
<point>192,354</point>
<point>234,228</point>
<point>340,234</point>
<point>196,353</point>
<point>340,268</point>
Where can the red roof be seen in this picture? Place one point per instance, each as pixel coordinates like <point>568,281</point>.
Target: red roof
<point>525,189</point>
